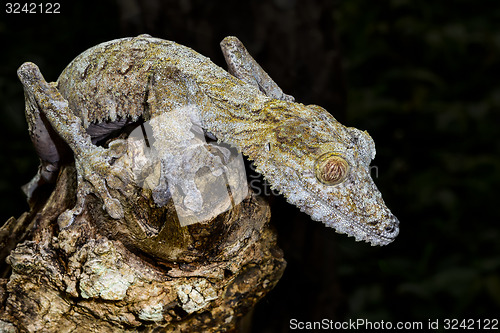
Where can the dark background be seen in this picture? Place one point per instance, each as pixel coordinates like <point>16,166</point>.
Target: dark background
<point>421,77</point>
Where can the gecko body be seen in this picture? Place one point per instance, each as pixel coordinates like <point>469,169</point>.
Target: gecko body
<point>318,164</point>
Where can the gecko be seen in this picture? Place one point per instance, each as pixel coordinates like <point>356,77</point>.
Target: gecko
<point>318,164</point>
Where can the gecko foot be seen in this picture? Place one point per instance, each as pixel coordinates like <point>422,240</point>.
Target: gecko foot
<point>96,175</point>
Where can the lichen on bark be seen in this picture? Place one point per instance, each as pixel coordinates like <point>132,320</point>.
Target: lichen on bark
<point>107,275</point>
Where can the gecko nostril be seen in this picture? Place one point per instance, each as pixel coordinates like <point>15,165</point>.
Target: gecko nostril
<point>393,226</point>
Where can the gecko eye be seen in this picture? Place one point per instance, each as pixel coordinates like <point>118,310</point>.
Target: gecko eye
<point>331,169</point>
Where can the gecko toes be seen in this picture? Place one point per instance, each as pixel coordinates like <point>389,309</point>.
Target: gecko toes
<point>66,219</point>
<point>115,181</point>
<point>114,208</point>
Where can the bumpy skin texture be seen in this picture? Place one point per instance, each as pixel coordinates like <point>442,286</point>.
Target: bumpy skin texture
<point>318,164</point>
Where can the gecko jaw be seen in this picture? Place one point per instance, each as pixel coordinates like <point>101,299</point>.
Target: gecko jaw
<point>380,232</point>
<point>361,232</point>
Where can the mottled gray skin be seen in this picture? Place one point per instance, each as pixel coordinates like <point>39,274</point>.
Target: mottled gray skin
<point>318,164</point>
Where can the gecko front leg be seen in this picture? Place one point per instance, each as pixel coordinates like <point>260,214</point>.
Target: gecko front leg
<point>95,173</point>
<point>243,66</point>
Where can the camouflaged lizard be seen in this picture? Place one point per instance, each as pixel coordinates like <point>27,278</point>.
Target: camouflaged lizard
<point>318,164</point>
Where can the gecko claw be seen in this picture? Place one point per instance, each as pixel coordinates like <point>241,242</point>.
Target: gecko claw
<point>66,219</point>
<point>114,208</point>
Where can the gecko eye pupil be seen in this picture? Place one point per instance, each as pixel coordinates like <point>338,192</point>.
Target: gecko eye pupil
<point>331,169</point>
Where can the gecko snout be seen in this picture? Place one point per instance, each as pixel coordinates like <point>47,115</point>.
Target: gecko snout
<point>393,227</point>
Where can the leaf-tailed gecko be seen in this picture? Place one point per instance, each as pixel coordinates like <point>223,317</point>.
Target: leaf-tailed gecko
<point>318,164</point>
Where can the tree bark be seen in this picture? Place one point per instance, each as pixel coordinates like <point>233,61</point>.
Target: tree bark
<point>144,272</point>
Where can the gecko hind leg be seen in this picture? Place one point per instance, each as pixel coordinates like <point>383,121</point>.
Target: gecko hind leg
<point>95,172</point>
<point>243,66</point>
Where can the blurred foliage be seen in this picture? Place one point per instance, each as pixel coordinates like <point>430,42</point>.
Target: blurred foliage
<point>421,77</point>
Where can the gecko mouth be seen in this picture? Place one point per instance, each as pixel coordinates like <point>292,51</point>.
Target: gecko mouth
<point>380,232</point>
<point>312,202</point>
<point>364,232</point>
<point>360,231</point>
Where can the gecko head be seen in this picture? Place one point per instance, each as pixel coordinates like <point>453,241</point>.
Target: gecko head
<point>323,168</point>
